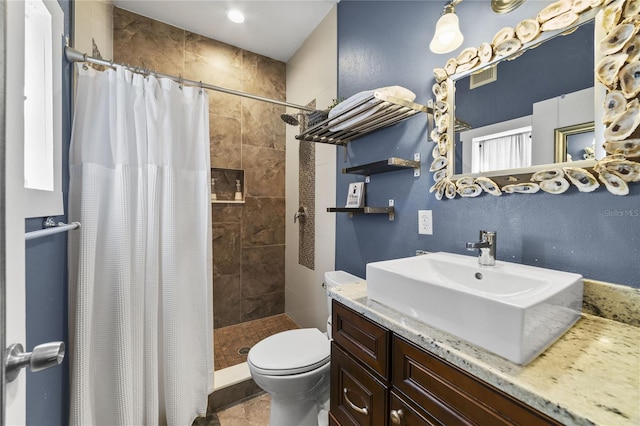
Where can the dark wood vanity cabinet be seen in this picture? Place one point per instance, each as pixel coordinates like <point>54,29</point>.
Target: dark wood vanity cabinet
<point>381,379</point>
<point>359,369</point>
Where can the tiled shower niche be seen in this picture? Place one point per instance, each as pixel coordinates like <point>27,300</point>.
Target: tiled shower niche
<point>226,184</point>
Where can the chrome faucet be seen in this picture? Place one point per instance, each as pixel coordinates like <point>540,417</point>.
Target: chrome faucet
<point>486,248</point>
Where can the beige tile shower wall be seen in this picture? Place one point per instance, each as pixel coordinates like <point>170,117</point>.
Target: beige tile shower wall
<point>312,74</point>
<point>93,24</point>
<point>248,239</point>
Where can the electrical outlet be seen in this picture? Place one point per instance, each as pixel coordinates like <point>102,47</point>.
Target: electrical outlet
<point>425,222</point>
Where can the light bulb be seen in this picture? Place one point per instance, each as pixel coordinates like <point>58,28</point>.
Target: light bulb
<point>236,16</point>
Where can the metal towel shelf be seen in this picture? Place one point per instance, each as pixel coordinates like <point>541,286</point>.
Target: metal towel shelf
<point>388,111</point>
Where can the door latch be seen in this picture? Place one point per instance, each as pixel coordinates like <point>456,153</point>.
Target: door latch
<point>43,356</point>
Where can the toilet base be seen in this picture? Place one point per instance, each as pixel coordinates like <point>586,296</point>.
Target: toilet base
<point>288,412</point>
<point>294,411</point>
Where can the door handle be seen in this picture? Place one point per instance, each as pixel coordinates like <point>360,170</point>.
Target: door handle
<point>43,356</point>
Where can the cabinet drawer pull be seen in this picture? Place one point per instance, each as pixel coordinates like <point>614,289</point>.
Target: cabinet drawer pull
<point>396,417</point>
<point>352,405</point>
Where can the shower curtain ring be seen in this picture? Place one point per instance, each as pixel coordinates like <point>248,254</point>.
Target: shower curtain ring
<point>181,82</point>
<point>201,88</point>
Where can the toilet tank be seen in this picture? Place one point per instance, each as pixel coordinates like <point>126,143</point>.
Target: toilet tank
<point>336,278</point>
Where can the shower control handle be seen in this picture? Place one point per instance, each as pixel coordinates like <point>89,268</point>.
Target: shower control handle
<point>300,214</point>
<point>43,356</point>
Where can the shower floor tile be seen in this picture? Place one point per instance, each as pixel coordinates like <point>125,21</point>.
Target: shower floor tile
<point>231,344</point>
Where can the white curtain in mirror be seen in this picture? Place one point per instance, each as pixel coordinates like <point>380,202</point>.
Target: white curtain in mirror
<point>507,150</point>
<point>140,278</point>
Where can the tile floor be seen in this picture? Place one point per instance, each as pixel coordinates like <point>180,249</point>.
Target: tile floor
<point>253,412</point>
<point>229,341</point>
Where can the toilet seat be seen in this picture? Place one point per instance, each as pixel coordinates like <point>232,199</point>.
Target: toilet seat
<point>290,352</point>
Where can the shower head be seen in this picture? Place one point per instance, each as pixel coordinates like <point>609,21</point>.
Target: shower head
<point>291,119</point>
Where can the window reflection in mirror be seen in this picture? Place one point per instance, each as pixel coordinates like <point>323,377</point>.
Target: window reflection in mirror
<point>499,151</point>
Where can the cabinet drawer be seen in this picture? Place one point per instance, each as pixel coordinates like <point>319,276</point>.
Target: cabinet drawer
<point>402,414</point>
<point>428,410</point>
<point>362,338</point>
<point>358,398</point>
<point>433,383</point>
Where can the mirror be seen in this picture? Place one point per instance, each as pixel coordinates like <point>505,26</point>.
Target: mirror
<point>555,112</point>
<point>546,100</point>
<point>577,142</point>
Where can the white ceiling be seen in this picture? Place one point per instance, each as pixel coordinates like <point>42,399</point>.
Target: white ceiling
<point>271,28</point>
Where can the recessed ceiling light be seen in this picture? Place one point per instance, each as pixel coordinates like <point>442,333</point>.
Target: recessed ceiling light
<point>236,16</point>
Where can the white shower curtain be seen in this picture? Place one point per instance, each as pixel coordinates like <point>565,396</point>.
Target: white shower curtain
<point>500,153</point>
<point>140,295</point>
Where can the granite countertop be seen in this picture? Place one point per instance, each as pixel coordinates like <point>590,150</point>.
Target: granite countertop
<point>591,375</point>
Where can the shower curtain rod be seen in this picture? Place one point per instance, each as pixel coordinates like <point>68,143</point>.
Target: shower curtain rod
<point>73,55</point>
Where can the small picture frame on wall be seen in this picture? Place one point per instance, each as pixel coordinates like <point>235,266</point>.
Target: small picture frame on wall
<point>355,198</point>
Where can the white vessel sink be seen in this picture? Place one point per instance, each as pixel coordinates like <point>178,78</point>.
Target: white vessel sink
<point>515,311</point>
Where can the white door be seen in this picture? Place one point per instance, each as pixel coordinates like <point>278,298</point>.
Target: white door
<point>16,201</point>
<point>13,168</point>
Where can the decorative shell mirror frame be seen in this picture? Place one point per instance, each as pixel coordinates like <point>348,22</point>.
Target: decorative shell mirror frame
<point>618,71</point>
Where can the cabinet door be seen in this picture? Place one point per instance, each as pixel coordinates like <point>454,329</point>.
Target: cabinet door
<point>358,398</point>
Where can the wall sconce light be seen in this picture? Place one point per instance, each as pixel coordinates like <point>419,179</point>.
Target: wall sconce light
<point>447,37</point>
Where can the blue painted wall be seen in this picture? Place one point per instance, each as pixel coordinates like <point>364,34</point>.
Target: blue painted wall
<point>382,43</point>
<point>46,287</point>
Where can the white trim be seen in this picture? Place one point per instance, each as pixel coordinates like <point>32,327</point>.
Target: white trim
<point>231,376</point>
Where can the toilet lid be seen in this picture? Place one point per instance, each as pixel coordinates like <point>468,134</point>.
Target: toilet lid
<point>290,352</point>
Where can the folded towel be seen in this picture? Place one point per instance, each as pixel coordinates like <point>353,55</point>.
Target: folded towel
<point>357,114</point>
<point>398,92</point>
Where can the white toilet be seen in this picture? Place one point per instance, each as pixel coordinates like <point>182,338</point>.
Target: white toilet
<point>293,368</point>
